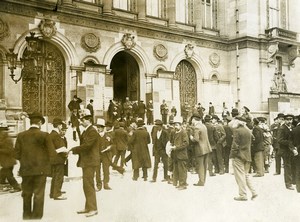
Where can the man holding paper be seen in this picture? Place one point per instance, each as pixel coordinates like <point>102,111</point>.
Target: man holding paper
<point>57,163</point>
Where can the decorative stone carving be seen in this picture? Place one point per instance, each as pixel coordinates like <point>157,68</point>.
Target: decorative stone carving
<point>160,52</point>
<point>47,28</point>
<point>272,50</point>
<point>189,51</point>
<point>128,41</point>
<point>293,53</point>
<point>214,60</point>
<point>4,30</point>
<point>279,83</point>
<point>90,42</point>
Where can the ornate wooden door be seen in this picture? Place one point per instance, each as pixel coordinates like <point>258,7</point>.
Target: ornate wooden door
<point>47,93</point>
<point>186,75</point>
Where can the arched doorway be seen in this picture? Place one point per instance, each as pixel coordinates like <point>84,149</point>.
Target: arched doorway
<point>47,94</point>
<point>186,75</point>
<point>125,72</point>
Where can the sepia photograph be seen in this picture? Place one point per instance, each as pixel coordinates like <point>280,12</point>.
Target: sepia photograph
<point>150,110</point>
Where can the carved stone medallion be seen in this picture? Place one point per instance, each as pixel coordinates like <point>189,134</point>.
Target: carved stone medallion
<point>47,28</point>
<point>128,41</point>
<point>90,42</point>
<point>4,30</point>
<point>160,52</point>
<point>214,60</point>
<point>189,51</point>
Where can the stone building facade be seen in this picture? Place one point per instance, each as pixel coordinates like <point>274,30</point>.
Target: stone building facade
<point>228,52</point>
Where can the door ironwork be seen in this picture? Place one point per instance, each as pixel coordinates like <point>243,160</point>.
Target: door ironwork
<point>186,75</point>
<point>47,93</point>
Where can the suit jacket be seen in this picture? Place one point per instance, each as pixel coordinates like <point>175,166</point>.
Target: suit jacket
<point>258,141</point>
<point>89,148</point>
<point>159,144</point>
<point>58,142</point>
<point>6,151</point>
<point>210,132</point>
<point>285,139</point>
<point>121,139</point>
<point>241,144</point>
<point>181,142</point>
<point>90,107</point>
<point>202,145</point>
<point>34,149</point>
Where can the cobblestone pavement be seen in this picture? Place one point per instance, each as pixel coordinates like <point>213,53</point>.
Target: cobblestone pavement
<point>142,201</point>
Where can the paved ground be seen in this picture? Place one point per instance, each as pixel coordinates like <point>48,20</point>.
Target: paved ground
<point>140,201</point>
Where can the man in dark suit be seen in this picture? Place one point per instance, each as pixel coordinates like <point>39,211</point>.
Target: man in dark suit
<point>34,149</point>
<point>160,139</point>
<point>90,107</point>
<point>164,110</point>
<point>74,104</point>
<point>179,149</point>
<point>58,162</point>
<point>241,155</point>
<point>89,159</point>
<point>287,149</point>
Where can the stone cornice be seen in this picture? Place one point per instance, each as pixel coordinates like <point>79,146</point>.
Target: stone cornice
<point>79,17</point>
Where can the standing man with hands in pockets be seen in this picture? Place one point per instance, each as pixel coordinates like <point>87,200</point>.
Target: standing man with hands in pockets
<point>89,160</point>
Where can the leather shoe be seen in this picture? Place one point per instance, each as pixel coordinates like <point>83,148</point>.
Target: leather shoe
<point>290,188</point>
<point>92,213</point>
<point>212,174</point>
<point>181,187</point>
<point>240,198</point>
<point>82,211</point>
<point>254,196</point>
<point>164,180</point>
<point>106,187</point>
<point>62,192</point>
<point>60,198</point>
<point>199,184</point>
<point>257,175</point>
<point>152,181</point>
<point>275,174</point>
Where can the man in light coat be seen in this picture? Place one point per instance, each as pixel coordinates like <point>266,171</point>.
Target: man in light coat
<point>201,148</point>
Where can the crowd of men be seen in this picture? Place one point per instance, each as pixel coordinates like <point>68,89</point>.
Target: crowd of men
<point>197,142</point>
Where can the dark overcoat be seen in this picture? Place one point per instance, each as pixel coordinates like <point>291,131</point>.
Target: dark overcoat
<point>58,142</point>
<point>34,149</point>
<point>258,141</point>
<point>139,148</point>
<point>121,139</point>
<point>181,143</point>
<point>6,151</point>
<point>89,148</point>
<point>285,139</point>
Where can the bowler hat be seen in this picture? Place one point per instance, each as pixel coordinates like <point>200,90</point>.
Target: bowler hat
<point>57,121</point>
<point>85,114</point>
<point>37,115</point>
<point>288,116</point>
<point>207,118</point>
<point>196,116</point>
<point>215,117</point>
<point>100,122</point>
<point>280,115</point>
<point>240,118</point>
<point>140,122</point>
<point>158,122</point>
<point>261,119</point>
